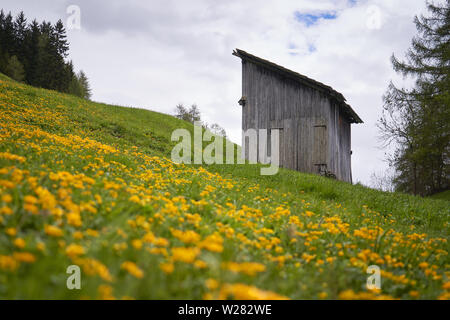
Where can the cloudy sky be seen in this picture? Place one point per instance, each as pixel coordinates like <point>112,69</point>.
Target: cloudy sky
<point>155,54</point>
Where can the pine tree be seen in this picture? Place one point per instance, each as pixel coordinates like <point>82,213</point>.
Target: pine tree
<point>418,120</point>
<point>58,52</point>
<point>3,60</point>
<point>75,87</point>
<point>50,62</point>
<point>15,69</point>
<point>2,30</point>
<point>20,30</point>
<point>62,44</point>
<point>8,39</point>
<point>2,21</point>
<point>36,53</point>
<point>84,82</point>
<point>31,48</point>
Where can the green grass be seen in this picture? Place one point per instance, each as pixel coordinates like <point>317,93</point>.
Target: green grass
<point>101,175</point>
<point>445,195</point>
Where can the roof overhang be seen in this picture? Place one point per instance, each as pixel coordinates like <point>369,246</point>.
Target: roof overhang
<point>304,80</point>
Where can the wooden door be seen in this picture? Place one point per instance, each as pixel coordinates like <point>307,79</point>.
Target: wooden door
<point>320,147</point>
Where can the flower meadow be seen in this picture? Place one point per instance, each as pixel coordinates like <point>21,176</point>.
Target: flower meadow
<point>79,185</point>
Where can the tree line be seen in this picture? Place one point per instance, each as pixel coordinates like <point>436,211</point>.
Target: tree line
<point>417,120</point>
<point>36,53</point>
<point>193,114</point>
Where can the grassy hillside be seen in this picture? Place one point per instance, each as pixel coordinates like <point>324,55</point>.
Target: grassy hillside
<point>445,195</point>
<point>90,184</point>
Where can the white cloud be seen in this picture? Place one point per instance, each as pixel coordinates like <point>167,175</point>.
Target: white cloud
<point>155,54</point>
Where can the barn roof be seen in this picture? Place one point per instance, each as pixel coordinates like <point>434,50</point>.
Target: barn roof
<point>348,111</point>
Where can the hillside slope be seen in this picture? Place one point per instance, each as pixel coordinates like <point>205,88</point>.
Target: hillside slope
<point>445,195</point>
<point>90,184</point>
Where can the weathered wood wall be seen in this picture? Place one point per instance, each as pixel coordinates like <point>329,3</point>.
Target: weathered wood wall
<point>313,128</point>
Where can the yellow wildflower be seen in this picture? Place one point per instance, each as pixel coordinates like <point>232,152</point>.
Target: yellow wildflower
<point>40,246</point>
<point>6,210</point>
<point>92,233</point>
<point>74,250</point>
<point>200,264</point>
<point>105,292</point>
<point>19,243</point>
<point>78,235</point>
<point>186,236</point>
<point>249,268</point>
<point>74,219</point>
<point>137,244</point>
<point>132,269</point>
<point>11,232</point>
<point>6,198</point>
<point>53,231</point>
<point>8,263</point>
<point>167,267</point>
<point>323,295</point>
<point>211,284</point>
<point>187,255</point>
<point>244,292</point>
<point>24,257</point>
<point>213,242</point>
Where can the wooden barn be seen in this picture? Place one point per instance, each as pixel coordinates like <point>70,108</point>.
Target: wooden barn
<point>314,120</point>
